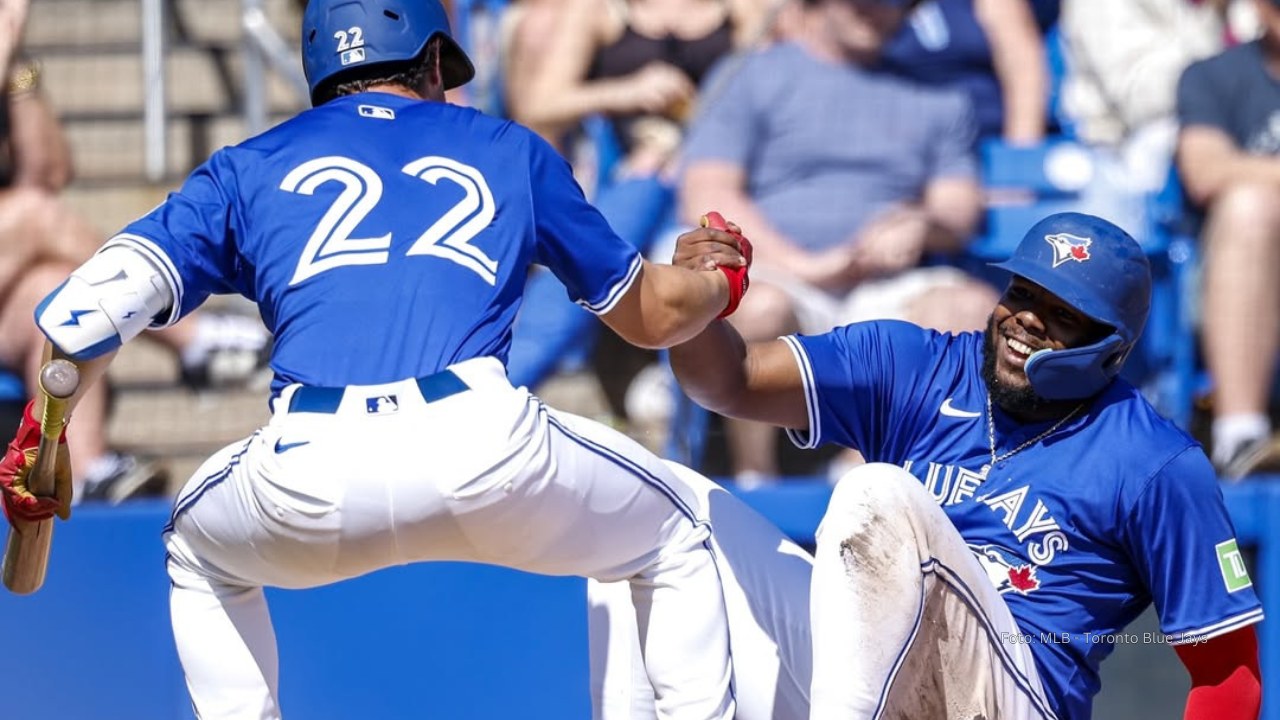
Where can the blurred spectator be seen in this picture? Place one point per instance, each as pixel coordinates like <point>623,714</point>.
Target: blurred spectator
<point>636,64</point>
<point>1229,162</point>
<point>41,242</point>
<point>992,49</point>
<point>1123,61</point>
<point>845,177</point>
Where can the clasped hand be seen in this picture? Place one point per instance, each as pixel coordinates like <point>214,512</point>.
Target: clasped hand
<point>18,501</point>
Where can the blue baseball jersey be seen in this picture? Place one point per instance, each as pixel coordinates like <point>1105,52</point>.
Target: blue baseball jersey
<point>382,238</point>
<point>1116,509</point>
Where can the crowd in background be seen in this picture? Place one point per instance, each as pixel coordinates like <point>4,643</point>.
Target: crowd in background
<point>846,138</point>
<point>42,239</point>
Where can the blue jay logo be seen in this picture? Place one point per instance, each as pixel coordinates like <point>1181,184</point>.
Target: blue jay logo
<point>1006,572</point>
<point>1068,247</point>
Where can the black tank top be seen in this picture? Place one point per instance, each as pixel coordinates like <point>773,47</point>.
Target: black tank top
<point>633,51</point>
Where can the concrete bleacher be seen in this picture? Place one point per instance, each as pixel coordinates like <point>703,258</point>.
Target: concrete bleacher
<point>90,52</point>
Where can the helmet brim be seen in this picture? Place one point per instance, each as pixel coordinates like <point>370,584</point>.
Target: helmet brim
<point>456,69</point>
<point>1066,290</point>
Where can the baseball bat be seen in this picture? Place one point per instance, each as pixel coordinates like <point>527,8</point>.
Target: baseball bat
<point>26,552</point>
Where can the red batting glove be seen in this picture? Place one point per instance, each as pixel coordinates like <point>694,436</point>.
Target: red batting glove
<point>738,278</point>
<point>16,466</point>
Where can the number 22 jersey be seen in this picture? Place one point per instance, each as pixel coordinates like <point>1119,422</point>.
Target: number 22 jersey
<point>382,237</point>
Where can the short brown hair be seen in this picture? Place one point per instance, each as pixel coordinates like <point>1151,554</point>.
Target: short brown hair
<point>409,75</point>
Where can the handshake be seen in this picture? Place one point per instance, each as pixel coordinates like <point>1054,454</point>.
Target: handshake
<point>719,244</point>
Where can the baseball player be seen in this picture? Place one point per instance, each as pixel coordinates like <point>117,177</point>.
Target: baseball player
<point>1021,506</point>
<point>766,581</point>
<point>386,236</point>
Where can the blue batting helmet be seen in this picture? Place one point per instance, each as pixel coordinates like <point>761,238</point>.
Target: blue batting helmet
<point>1098,269</point>
<point>344,38</point>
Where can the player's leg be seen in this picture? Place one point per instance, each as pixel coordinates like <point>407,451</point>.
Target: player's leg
<point>487,475</point>
<point>651,530</point>
<point>221,627</point>
<point>766,584</point>
<point>905,619</point>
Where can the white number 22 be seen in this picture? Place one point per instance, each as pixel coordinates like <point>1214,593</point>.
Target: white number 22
<point>448,238</point>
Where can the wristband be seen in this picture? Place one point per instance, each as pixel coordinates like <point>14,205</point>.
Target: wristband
<point>738,282</point>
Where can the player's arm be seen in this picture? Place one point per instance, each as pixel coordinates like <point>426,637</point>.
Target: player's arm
<point>668,304</point>
<point>752,381</point>
<point>1225,677</point>
<point>107,301</point>
<point>723,373</point>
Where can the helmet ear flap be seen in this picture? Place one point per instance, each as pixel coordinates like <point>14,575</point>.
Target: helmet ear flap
<point>1076,373</point>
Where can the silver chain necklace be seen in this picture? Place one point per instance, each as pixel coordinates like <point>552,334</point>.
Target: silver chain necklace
<point>991,436</point>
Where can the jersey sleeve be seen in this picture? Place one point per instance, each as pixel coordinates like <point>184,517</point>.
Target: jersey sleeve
<point>1183,544</point>
<point>189,237</point>
<point>851,382</point>
<point>573,239</point>
<point>1198,101</point>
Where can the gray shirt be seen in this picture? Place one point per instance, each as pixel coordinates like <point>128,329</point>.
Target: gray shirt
<point>1233,92</point>
<point>828,146</point>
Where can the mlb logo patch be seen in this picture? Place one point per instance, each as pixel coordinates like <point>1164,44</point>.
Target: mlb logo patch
<point>376,111</point>
<point>381,405</point>
<point>354,55</point>
<point>1068,247</point>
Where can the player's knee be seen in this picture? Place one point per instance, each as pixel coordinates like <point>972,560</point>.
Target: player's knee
<point>870,496</point>
<point>1255,204</point>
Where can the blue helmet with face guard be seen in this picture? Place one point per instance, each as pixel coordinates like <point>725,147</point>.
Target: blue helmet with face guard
<point>1097,268</point>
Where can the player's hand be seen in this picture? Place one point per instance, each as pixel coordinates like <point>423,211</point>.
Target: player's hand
<point>15,468</point>
<point>718,244</point>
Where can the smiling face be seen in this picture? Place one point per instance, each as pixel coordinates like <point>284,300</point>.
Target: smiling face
<point>1029,318</point>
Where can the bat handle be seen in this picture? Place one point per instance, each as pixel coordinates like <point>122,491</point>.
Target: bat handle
<point>26,550</point>
<point>59,380</point>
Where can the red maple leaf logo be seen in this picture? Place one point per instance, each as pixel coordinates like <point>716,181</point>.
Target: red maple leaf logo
<point>1080,252</point>
<point>1023,578</point>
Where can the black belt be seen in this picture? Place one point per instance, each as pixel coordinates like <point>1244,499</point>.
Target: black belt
<point>313,399</point>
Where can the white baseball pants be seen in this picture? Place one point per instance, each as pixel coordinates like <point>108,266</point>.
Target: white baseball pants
<point>387,476</point>
<point>906,623</point>
<point>766,584</point>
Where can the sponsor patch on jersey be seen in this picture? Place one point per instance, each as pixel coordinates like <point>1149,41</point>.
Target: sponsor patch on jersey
<point>381,405</point>
<point>376,111</point>
<point>354,55</point>
<point>1006,572</point>
<point>1231,563</point>
<point>1068,247</point>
